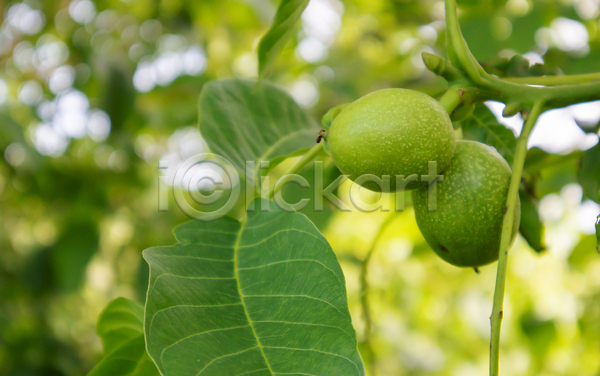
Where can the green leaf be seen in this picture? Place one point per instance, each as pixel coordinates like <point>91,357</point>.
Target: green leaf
<point>589,173</point>
<point>483,126</point>
<point>118,96</point>
<point>548,172</point>
<point>288,14</point>
<point>531,226</point>
<point>538,159</point>
<point>73,251</point>
<point>119,322</point>
<point>121,330</point>
<point>263,297</point>
<point>242,121</point>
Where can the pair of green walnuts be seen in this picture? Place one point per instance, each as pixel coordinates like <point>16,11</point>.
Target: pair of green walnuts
<point>397,132</point>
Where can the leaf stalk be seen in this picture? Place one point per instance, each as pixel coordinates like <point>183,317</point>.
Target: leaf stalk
<point>298,166</point>
<point>451,99</point>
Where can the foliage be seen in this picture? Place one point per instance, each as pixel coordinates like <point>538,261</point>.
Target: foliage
<point>121,330</point>
<point>287,15</point>
<point>244,123</point>
<point>205,312</point>
<point>482,126</point>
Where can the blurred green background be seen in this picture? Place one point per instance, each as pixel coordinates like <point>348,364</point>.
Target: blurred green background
<point>94,93</point>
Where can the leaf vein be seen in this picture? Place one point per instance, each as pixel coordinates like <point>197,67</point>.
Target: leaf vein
<point>222,357</point>
<point>318,351</point>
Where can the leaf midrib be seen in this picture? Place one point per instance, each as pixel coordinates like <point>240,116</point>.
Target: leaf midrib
<point>239,288</point>
<point>274,146</point>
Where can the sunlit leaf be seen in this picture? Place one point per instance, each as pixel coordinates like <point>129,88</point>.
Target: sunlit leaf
<point>263,297</point>
<point>287,16</point>
<point>244,122</point>
<point>121,330</point>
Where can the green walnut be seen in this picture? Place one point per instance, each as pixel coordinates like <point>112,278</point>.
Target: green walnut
<point>465,224</point>
<point>391,132</point>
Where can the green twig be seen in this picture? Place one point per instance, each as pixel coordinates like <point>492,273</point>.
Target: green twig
<point>507,91</point>
<point>555,80</point>
<point>451,99</point>
<point>364,286</point>
<point>507,230</point>
<point>297,167</point>
<point>458,50</point>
